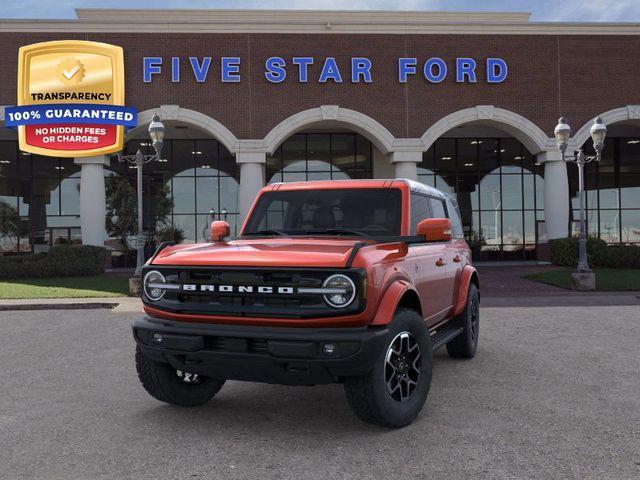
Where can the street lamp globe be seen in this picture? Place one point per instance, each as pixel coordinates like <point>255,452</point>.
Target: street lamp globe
<point>562,133</point>
<point>598,132</point>
<point>156,133</point>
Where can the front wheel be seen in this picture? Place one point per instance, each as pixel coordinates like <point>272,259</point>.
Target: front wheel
<point>395,390</point>
<point>169,385</point>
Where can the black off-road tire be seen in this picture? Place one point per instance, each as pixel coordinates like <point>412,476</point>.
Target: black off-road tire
<point>368,395</point>
<point>466,344</point>
<point>162,382</point>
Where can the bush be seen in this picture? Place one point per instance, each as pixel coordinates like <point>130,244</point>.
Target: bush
<point>61,261</point>
<point>170,234</point>
<point>618,256</point>
<point>564,252</point>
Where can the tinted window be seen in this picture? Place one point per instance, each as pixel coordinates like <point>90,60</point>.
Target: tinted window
<point>456,223</point>
<point>374,211</point>
<point>419,210</point>
<point>437,207</point>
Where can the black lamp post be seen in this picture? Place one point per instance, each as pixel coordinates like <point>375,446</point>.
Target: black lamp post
<point>156,133</point>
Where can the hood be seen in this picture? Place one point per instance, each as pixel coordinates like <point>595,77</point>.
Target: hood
<point>271,252</point>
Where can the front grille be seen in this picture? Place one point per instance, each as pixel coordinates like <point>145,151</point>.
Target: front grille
<point>253,303</point>
<point>236,345</point>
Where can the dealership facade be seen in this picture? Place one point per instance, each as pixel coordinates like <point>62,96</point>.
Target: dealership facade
<point>465,102</point>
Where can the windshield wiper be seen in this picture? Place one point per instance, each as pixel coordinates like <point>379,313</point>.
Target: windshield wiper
<point>268,232</point>
<point>337,231</point>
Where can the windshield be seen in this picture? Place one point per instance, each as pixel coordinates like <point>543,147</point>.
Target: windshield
<point>366,212</point>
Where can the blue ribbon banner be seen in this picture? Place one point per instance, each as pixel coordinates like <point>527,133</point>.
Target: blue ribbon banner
<point>70,113</point>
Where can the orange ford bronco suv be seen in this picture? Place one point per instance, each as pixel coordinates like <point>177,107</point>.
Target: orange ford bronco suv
<point>356,282</point>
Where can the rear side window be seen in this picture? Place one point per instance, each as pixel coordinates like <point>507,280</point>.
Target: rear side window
<point>438,208</point>
<point>419,210</point>
<point>454,215</point>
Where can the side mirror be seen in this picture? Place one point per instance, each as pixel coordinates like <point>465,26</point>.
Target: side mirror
<point>219,230</point>
<point>435,229</point>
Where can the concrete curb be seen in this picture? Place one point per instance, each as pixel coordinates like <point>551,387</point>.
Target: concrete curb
<point>7,307</point>
<point>116,304</point>
<point>571,299</point>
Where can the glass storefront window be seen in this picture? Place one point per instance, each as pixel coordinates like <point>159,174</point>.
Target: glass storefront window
<point>488,154</point>
<point>511,155</point>
<point>468,192</point>
<point>530,228</point>
<point>8,159</point>
<point>465,157</point>
<point>612,191</point>
<point>195,181</point>
<point>183,195</point>
<point>512,192</point>
<point>186,223</point>
<point>529,191</point>
<point>206,195</point>
<point>630,190</point>
<point>320,156</point>
<point>445,155</point>
<point>499,189</point>
<point>630,224</point>
<point>512,230</point>
<point>319,152</point>
<point>182,159</point>
<point>610,226</point>
<point>70,196</point>
<point>490,193</point>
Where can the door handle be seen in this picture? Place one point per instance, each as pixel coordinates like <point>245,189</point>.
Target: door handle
<point>457,259</point>
<point>440,262</point>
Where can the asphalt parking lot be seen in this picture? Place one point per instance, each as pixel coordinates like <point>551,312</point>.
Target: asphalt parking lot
<point>554,392</point>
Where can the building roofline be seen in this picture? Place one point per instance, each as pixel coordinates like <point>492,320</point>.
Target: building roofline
<point>284,15</point>
<point>310,21</point>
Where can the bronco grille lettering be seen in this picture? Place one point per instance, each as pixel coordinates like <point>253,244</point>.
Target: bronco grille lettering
<point>191,287</point>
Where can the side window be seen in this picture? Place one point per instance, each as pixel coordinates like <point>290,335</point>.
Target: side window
<point>419,210</point>
<point>437,206</point>
<point>456,223</point>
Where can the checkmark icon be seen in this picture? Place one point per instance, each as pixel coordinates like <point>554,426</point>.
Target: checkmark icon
<point>71,73</point>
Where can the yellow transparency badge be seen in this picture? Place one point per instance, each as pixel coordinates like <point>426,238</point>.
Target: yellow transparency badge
<point>71,99</point>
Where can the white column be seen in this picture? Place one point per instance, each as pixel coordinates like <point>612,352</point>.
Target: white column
<point>251,179</point>
<point>406,164</point>
<point>93,208</point>
<point>556,194</point>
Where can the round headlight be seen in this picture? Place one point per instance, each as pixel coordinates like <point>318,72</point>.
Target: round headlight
<point>345,291</point>
<point>151,280</point>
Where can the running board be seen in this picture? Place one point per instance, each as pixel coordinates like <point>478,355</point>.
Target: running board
<point>444,336</point>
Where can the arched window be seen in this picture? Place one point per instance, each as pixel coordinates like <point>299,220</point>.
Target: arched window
<point>612,188</point>
<point>499,190</point>
<point>199,180</point>
<point>320,156</point>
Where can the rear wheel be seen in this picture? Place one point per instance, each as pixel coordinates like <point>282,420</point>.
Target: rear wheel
<point>395,390</point>
<point>176,387</point>
<point>466,344</point>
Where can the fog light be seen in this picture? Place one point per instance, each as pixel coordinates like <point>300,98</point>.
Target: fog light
<point>157,338</point>
<point>329,348</point>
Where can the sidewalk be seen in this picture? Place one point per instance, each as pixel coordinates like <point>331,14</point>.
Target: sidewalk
<point>508,281</point>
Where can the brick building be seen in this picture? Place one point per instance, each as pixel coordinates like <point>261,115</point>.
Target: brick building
<point>465,102</point>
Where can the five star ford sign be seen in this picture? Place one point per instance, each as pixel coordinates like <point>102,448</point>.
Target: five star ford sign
<point>70,99</point>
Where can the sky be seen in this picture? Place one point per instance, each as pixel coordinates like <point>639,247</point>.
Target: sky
<point>542,10</point>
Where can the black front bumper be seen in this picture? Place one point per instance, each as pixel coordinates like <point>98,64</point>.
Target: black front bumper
<point>288,356</point>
